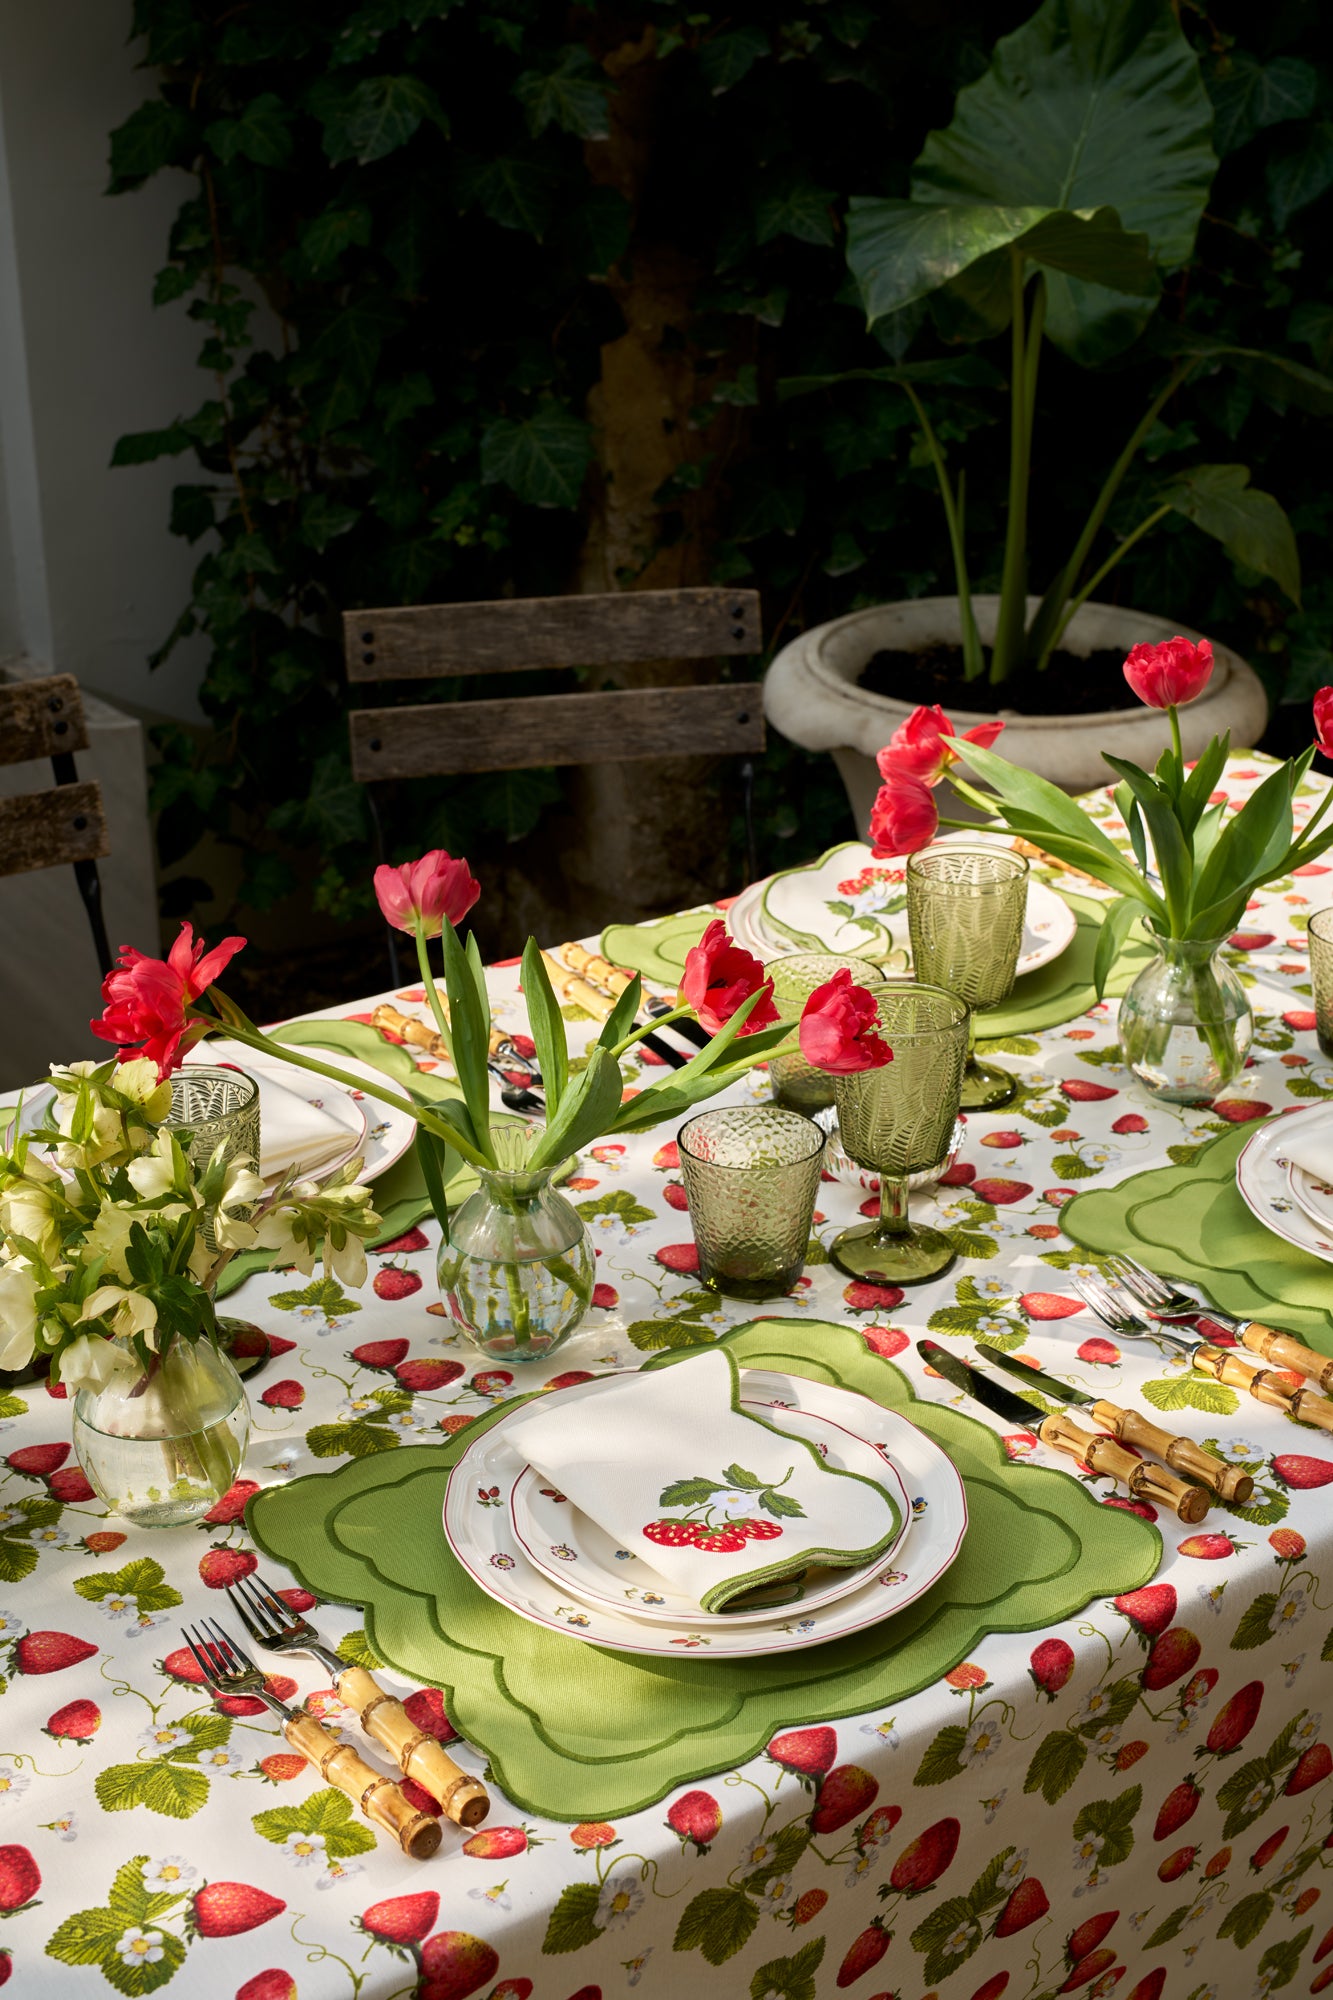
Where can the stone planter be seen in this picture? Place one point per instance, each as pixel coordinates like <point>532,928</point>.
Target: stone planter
<point>812,695</point>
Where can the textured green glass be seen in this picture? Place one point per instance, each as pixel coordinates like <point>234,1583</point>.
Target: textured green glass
<point>797,1083</point>
<point>965,907</point>
<point>1320,935</point>
<point>211,1108</point>
<point>898,1121</point>
<point>751,1176</point>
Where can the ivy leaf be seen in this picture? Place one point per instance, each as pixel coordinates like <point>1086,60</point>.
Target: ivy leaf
<point>142,447</point>
<point>324,239</point>
<point>732,55</point>
<point>718,1922</point>
<point>339,364</point>
<point>573,96</point>
<point>595,234</point>
<point>376,117</point>
<point>1300,171</point>
<point>798,208</point>
<point>1249,95</point>
<point>157,135</point>
<point>323,519</point>
<point>262,133</point>
<point>572,1923</point>
<point>541,459</point>
<point>515,192</point>
<point>1056,1763</point>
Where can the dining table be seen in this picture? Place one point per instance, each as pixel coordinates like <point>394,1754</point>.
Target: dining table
<point>1093,1757</point>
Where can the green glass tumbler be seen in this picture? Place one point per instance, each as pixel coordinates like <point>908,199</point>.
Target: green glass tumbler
<point>751,1176</point>
<point>898,1121</point>
<point>212,1107</point>
<point>796,1083</point>
<point>966,902</point>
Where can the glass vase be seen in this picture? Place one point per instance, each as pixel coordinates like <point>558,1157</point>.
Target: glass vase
<point>161,1446</point>
<point>516,1271</point>
<point>1185,1023</point>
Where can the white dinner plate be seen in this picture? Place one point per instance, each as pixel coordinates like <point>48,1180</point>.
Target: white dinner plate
<point>1263,1181</point>
<point>579,1556</point>
<point>852,903</point>
<point>478,1529</point>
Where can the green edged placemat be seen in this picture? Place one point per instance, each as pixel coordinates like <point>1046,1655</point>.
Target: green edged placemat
<point>577,1732</point>
<point>1190,1222</point>
<point>1055,993</point>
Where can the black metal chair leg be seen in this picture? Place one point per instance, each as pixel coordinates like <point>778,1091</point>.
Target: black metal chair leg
<point>381,856</point>
<point>747,806</point>
<point>90,888</point>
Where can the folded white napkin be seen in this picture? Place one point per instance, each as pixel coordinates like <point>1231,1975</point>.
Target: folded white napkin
<point>293,1131</point>
<point>718,1501</point>
<point>1311,1146</point>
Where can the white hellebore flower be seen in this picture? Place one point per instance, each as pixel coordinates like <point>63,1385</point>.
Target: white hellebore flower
<point>153,1174</point>
<point>128,1312</point>
<point>243,1188</point>
<point>18,1313</point>
<point>90,1362</point>
<point>27,1209</point>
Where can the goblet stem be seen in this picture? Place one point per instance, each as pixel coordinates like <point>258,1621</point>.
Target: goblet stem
<point>893,1206</point>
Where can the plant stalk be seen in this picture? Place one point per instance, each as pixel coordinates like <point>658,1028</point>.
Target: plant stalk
<point>1026,353</point>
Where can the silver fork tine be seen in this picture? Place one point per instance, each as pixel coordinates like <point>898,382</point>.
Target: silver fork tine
<point>246,1616</point>
<point>283,1613</point>
<point>1145,1285</point>
<point>230,1651</point>
<point>201,1659</point>
<point>254,1610</point>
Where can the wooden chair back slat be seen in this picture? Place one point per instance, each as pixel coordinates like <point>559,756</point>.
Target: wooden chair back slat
<point>516,635</point>
<point>41,718</point>
<point>611,727</point>
<point>45,829</point>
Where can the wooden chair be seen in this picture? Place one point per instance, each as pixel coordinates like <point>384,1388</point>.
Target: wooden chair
<point>518,635</point>
<point>66,823</point>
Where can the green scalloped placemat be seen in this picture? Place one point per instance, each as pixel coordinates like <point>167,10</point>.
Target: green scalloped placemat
<point>577,1732</point>
<point>1055,993</point>
<point>1189,1222</point>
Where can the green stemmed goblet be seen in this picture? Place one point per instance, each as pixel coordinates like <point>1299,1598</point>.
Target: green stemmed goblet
<point>965,906</point>
<point>898,1121</point>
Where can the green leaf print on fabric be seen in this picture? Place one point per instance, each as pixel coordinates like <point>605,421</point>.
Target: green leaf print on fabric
<point>1111,1823</point>
<point>789,1978</point>
<point>1191,1392</point>
<point>621,1203</point>
<point>125,1939</point>
<point>1282,1960</point>
<point>573,1922</point>
<point>948,1937</point>
<point>325,1294</point>
<point>1055,1765</point>
<point>941,1759</point>
<point>1256,1624</point>
<point>1247,1919</point>
<point>718,1922</point>
<point>142,1581</point>
<point>174,1790</point>
<point>327,1814</point>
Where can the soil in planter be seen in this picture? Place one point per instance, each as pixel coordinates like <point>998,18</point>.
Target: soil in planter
<point>1073,684</point>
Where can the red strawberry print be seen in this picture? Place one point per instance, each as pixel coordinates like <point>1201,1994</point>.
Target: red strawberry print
<point>454,1423</point>
<point>605,1297</point>
<point>1240,1110</point>
<point>1219,1863</point>
<point>1305,1901</point>
<point>221,1566</point>
<point>1056,1197</point>
<point>455,1964</point>
<point>20,1879</point>
<point>402,1919</point>
<point>225,1909</point>
<point>667,1158</point>
<point>103,1542</point>
<point>808,1752</point>
<point>1090,1968</point>
<point>844,1795</point>
<point>282,1766</point>
<point>395,1283</point>
<point>71,1486</point>
<point>757,1531</point>
<point>77,1720</point>
<point>489,1381</point>
<point>961,1174</point>
<point>57,1391</point>
<point>1130,1121</point>
<point>275,1984</point>
<point>966,1676</point>
<point>719,1541</point>
<point>570,1379</point>
<point>864,1952</point>
<point>420,1377</point>
<point>1082,1090</point>
<point>231,1507</point>
<point>1171,1658</point>
<point>680,1257</point>
<point>1199,1686</point>
<point>1150,1986</point>
<point>1028,1902</point>
<point>1177,1864</point>
<point>284,1396</point>
<point>884,1340</point>
<point>1089,1935</point>
<point>1128,1755</point>
<point>1264,1853</point>
<point>1311,1769</point>
<point>1179,1805</point>
<point>182,1666</point>
<point>1004,1142</point>
<point>1294,1469</point>
<point>676,1534</point>
<point>512,1989</point>
<point>418,1796</point>
<point>1236,1720</point>
<point>412,1239</point>
<point>999,1193</point>
<point>1045,1232</point>
<point>1050,1666</point>
<point>807,1907</point>
<point>863,1297</point>
<point>879,1826</point>
<point>1142,1508</point>
<point>925,1859</point>
<point>277,1345</point>
<point>1289,1546</point>
<point>50,1652</point>
<point>38,1461</point>
<point>496,1843</point>
<point>1325,1945</point>
<point>674,1195</point>
<point>278,1685</point>
<point>696,1817</point>
<point>1207,1548</point>
<point>247,1342</point>
<point>1102,1353</point>
<point>1049,1305</point>
<point>425,1710</point>
<point>297,1599</point>
<point>592,1833</point>
<point>1302,1019</point>
<point>1251,940</point>
<point>993,1988</point>
<point>381,1353</point>
<point>1151,1609</point>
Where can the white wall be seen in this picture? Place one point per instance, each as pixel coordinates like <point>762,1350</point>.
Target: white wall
<point>90,579</point>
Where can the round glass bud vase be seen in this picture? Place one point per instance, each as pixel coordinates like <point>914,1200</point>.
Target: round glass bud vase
<point>162,1446</point>
<point>1186,1024</point>
<point>516,1271</point>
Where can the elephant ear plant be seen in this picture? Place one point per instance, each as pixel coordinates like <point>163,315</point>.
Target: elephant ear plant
<point>1072,178</point>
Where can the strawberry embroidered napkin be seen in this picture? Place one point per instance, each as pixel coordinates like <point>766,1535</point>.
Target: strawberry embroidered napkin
<point>716,1500</point>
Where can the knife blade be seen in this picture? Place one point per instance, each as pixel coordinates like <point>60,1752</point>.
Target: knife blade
<point>1144,1480</point>
<point>1132,1427</point>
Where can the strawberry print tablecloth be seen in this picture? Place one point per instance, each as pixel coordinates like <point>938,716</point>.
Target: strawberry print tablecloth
<point>1136,1801</point>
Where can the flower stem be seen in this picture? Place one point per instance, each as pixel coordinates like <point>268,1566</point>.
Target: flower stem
<point>432,993</point>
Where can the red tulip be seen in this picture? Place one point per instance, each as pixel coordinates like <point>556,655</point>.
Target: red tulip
<point>838,1027</point>
<point>904,816</point>
<point>1323,721</point>
<point>919,747</point>
<point>1166,675</point>
<point>149,999</point>
<point>720,977</point>
<point>435,888</point>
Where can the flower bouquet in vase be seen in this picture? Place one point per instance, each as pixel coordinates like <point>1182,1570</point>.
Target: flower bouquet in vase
<point>515,1260</point>
<point>1192,868</point>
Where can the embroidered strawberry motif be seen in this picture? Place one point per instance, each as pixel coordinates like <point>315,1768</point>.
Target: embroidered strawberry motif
<point>729,1497</point>
<point>720,1541</point>
<point>757,1531</point>
<point>672,1534</point>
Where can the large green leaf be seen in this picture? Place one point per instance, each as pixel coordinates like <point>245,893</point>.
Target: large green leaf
<point>1249,95</point>
<point>901,251</point>
<point>1250,525</point>
<point>1090,104</point>
<point>1280,380</point>
<point>541,458</point>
